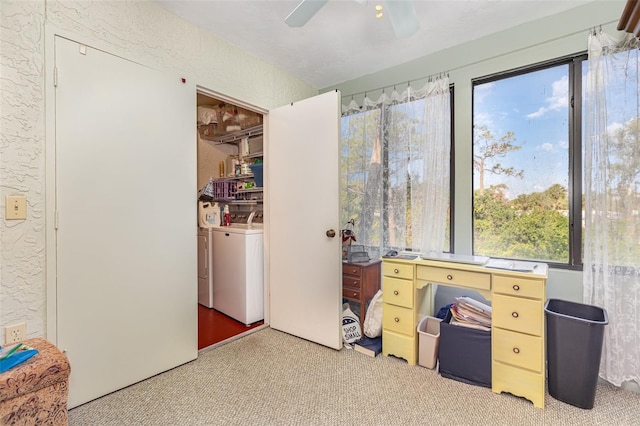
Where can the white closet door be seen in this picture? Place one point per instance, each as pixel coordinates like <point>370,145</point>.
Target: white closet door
<point>126,202</point>
<point>305,264</point>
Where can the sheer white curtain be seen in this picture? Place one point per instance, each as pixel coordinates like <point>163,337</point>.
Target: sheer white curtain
<point>612,200</point>
<point>395,168</point>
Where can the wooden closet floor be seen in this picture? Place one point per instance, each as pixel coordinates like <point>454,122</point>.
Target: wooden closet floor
<point>214,327</point>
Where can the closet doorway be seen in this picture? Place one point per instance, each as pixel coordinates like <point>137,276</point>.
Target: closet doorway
<point>310,126</point>
<point>222,125</point>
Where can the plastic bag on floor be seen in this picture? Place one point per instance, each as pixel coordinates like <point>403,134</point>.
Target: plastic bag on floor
<point>373,320</point>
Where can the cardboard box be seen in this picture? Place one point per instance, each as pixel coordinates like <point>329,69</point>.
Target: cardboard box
<point>255,145</point>
<point>209,131</point>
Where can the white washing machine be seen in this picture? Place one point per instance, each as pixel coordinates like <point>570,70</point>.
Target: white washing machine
<point>238,272</point>
<point>205,261</point>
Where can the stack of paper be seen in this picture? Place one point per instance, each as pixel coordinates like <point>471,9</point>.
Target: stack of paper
<point>468,312</point>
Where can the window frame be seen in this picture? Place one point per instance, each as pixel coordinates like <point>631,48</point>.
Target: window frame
<point>574,135</point>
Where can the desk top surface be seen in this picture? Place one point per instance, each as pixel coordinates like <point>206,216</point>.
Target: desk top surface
<point>539,271</point>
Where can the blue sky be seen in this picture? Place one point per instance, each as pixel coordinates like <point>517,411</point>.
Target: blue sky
<point>534,107</point>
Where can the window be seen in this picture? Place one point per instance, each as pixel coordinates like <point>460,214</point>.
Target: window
<point>527,201</point>
<point>382,163</point>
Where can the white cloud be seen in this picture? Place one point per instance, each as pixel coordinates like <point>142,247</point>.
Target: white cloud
<point>482,91</point>
<point>538,113</point>
<point>547,147</point>
<point>614,127</point>
<point>558,99</point>
<point>483,119</point>
<point>550,147</point>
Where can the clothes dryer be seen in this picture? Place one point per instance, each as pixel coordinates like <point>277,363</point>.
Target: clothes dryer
<point>205,262</point>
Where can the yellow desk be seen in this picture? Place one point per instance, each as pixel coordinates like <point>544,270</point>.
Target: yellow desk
<point>517,299</point>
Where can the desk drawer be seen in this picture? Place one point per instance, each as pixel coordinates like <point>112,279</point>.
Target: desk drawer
<point>349,293</point>
<point>517,286</point>
<point>521,350</point>
<point>459,278</point>
<point>349,281</point>
<point>353,270</point>
<point>398,270</point>
<point>398,292</point>
<point>517,314</point>
<point>395,318</point>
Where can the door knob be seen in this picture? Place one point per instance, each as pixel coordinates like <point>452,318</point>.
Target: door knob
<point>331,233</point>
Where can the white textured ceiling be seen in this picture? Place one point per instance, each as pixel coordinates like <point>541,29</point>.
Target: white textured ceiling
<point>344,40</point>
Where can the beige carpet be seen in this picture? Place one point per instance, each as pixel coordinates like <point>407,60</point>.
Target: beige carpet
<point>272,378</point>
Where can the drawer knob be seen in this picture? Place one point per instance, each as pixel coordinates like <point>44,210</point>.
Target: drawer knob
<point>354,271</point>
<point>516,350</point>
<point>516,287</point>
<point>355,294</point>
<point>449,277</point>
<point>396,319</point>
<point>514,314</point>
<point>395,271</point>
<point>395,292</point>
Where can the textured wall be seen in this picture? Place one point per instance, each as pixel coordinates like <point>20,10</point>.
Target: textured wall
<point>22,128</point>
<point>138,30</point>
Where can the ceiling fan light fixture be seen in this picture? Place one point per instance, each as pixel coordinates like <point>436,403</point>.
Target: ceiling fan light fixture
<point>379,11</point>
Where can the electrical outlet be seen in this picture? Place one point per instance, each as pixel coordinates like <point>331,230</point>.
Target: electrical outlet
<point>15,333</point>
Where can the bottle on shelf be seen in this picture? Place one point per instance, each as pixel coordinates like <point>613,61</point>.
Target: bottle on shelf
<point>244,168</point>
<point>214,217</point>
<point>227,216</point>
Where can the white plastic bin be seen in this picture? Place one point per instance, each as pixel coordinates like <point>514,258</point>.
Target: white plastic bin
<point>428,339</point>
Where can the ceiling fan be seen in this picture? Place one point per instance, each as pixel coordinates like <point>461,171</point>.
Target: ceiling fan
<point>401,13</point>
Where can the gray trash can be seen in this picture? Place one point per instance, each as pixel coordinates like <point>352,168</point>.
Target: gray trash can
<point>574,345</point>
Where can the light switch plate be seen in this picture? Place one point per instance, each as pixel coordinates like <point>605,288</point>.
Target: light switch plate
<point>15,207</point>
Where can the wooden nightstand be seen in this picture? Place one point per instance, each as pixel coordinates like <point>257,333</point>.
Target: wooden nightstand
<point>360,282</point>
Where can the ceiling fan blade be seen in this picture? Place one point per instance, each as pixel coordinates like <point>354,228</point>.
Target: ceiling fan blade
<point>403,17</point>
<point>303,12</point>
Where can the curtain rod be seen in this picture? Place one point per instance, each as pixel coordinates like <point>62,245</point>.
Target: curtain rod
<point>408,82</point>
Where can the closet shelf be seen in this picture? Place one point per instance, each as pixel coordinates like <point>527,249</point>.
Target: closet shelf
<point>233,177</point>
<point>247,190</point>
<point>237,136</point>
